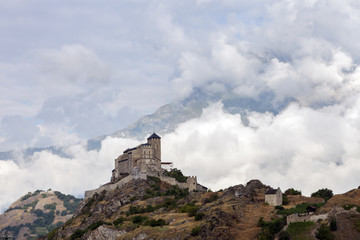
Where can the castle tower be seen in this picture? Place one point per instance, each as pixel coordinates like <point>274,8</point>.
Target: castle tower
<point>155,141</point>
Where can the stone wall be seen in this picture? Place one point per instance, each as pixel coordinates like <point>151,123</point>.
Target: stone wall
<point>304,217</point>
<point>191,184</point>
<point>113,186</point>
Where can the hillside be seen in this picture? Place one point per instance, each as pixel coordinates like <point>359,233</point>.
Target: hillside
<point>151,209</point>
<point>37,213</point>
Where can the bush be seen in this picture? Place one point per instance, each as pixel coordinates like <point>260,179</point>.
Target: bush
<point>26,197</point>
<point>118,221</point>
<point>155,223</point>
<point>279,207</point>
<point>95,225</point>
<point>138,219</point>
<point>199,216</point>
<point>195,231</point>
<point>38,212</point>
<point>292,191</point>
<point>77,234</point>
<point>284,235</point>
<point>63,213</point>
<point>51,206</point>
<point>285,200</point>
<point>213,197</point>
<point>170,204</point>
<point>269,229</point>
<point>177,174</point>
<point>191,209</point>
<point>323,233</point>
<point>333,224</point>
<point>324,193</point>
<point>298,228</point>
<point>348,206</point>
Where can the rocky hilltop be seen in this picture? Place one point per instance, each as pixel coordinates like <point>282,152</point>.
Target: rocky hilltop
<point>152,209</point>
<point>37,213</point>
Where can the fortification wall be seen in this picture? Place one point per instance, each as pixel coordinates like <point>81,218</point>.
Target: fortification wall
<point>296,217</point>
<point>113,186</point>
<point>191,183</point>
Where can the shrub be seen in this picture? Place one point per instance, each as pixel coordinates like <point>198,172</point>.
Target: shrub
<point>348,206</point>
<point>95,225</point>
<point>298,228</point>
<point>51,206</point>
<point>177,174</point>
<point>63,213</point>
<point>284,235</point>
<point>38,212</point>
<point>132,199</point>
<point>323,233</point>
<point>155,223</point>
<point>213,197</point>
<point>269,229</point>
<point>77,234</point>
<point>199,216</point>
<point>195,231</point>
<point>26,197</point>
<point>279,207</point>
<point>170,204</point>
<point>292,191</point>
<point>333,224</point>
<point>139,219</point>
<point>285,200</point>
<point>324,193</point>
<point>358,209</point>
<point>118,221</point>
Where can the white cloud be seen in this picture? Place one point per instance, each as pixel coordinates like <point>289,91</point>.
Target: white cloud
<point>300,147</point>
<point>85,170</point>
<point>73,63</point>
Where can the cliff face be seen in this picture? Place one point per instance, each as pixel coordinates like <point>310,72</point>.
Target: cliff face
<point>37,213</point>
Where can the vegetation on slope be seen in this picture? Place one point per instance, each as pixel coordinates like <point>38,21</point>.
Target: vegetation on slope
<point>35,214</point>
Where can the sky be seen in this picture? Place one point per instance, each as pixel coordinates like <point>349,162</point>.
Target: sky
<point>75,70</point>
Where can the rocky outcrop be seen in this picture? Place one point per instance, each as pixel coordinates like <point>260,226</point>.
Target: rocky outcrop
<point>103,232</point>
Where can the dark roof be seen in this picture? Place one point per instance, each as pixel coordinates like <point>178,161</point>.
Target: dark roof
<point>129,149</point>
<point>145,144</point>
<point>154,135</point>
<point>311,208</point>
<point>271,191</point>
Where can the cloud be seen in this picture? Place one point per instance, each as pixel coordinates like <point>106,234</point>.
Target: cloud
<point>300,147</point>
<point>83,170</point>
<point>73,63</point>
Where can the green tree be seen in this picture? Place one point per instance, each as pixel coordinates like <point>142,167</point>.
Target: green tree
<point>292,191</point>
<point>323,233</point>
<point>324,193</point>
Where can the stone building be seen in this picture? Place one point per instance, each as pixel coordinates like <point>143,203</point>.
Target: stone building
<point>140,162</point>
<point>143,159</point>
<point>273,197</point>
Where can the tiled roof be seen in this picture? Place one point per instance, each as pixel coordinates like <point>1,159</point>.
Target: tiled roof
<point>154,135</point>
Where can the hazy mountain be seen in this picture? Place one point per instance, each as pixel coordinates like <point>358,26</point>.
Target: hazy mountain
<point>167,118</point>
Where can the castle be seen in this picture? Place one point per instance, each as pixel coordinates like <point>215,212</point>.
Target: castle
<point>140,162</point>
<point>143,159</point>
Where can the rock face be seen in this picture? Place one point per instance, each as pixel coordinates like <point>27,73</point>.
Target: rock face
<point>105,233</point>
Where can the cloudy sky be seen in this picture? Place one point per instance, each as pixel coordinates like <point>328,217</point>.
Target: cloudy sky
<point>74,70</point>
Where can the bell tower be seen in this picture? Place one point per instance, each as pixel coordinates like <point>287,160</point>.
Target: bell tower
<point>155,141</point>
